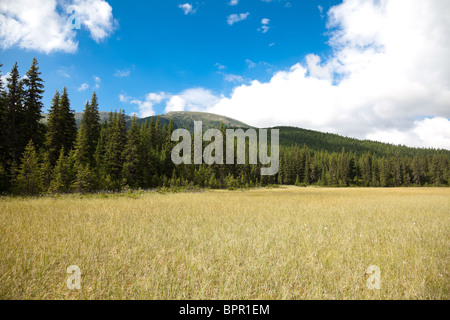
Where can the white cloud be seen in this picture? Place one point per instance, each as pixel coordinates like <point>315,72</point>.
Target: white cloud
<point>41,25</point>
<point>220,66</point>
<point>250,63</point>
<point>429,132</point>
<point>176,103</point>
<point>96,16</point>
<point>233,2</point>
<point>4,77</point>
<point>97,82</point>
<point>233,18</point>
<point>387,79</point>
<point>233,78</point>
<point>195,99</point>
<point>320,9</point>
<point>122,73</point>
<point>124,98</point>
<point>187,8</point>
<point>265,25</point>
<point>145,106</point>
<point>83,87</point>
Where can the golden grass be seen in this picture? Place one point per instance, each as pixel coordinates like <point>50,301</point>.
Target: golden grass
<point>257,244</point>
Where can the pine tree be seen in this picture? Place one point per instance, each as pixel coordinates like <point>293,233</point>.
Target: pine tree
<point>70,125</point>
<point>55,127</point>
<point>344,169</point>
<point>84,180</point>
<point>46,171</point>
<point>131,166</point>
<point>3,145</point>
<point>213,182</point>
<point>437,170</point>
<point>375,173</point>
<point>100,157</point>
<point>82,154</point>
<point>14,117</point>
<point>158,134</point>
<point>297,181</point>
<point>417,171</point>
<point>397,170</point>
<point>63,174</point>
<point>62,128</point>
<point>145,146</point>
<point>89,133</point>
<point>4,180</point>
<point>28,178</point>
<point>306,173</point>
<point>114,150</point>
<point>91,128</point>
<point>33,105</point>
<point>384,172</point>
<point>366,169</point>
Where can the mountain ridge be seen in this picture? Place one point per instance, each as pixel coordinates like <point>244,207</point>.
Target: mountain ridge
<point>289,135</point>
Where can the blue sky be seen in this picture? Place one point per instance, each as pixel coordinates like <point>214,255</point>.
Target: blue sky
<point>157,47</point>
<point>360,68</point>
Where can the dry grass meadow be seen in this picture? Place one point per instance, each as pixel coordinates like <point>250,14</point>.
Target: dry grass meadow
<point>285,243</point>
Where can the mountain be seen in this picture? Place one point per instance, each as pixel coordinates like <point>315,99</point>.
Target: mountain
<point>104,115</point>
<point>331,142</point>
<point>186,119</point>
<point>180,119</point>
<point>289,136</point>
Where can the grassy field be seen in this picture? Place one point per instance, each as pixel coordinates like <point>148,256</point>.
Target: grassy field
<point>286,243</point>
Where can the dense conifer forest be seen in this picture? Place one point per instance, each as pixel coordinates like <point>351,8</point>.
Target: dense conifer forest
<point>59,156</point>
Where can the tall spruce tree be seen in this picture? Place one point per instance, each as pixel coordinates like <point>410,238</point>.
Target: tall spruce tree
<point>33,105</point>
<point>54,128</point>
<point>70,125</point>
<point>62,130</point>
<point>63,174</point>
<point>131,168</point>
<point>89,132</point>
<point>14,118</point>
<point>84,179</point>
<point>3,148</point>
<point>114,150</point>
<point>29,179</point>
<point>82,155</point>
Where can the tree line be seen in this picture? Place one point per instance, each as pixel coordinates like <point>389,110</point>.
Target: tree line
<point>58,157</point>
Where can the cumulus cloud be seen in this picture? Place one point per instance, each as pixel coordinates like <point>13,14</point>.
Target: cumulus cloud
<point>97,82</point>
<point>42,25</point>
<point>145,106</point>
<point>233,2</point>
<point>264,25</point>
<point>233,18</point>
<point>195,99</point>
<point>97,16</point>
<point>187,8</point>
<point>429,132</point>
<point>388,78</point>
<point>83,87</point>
